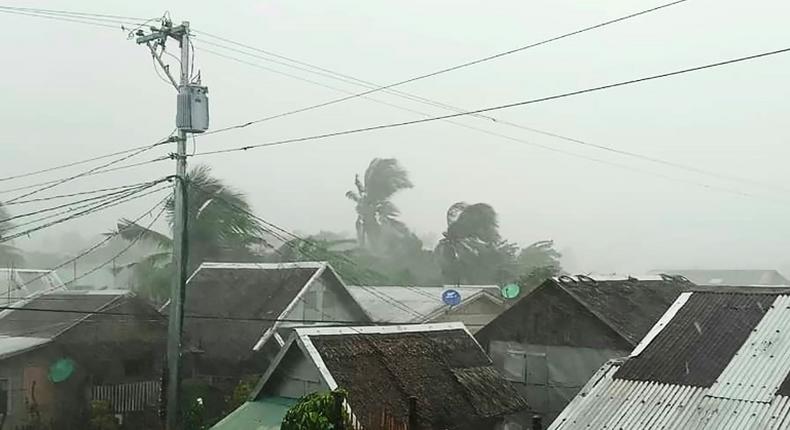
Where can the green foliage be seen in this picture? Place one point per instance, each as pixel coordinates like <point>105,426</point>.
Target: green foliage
<point>315,411</point>
<point>471,243</point>
<point>220,229</point>
<point>102,417</point>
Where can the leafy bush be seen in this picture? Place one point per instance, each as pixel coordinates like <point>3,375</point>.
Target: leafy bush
<point>315,411</point>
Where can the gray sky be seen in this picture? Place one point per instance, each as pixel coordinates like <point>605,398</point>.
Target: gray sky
<point>72,91</point>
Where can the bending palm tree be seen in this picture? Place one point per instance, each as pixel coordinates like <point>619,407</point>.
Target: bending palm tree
<point>383,178</point>
<point>472,233</point>
<point>220,228</point>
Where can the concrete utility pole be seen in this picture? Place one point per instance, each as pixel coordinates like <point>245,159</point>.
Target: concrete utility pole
<point>191,117</point>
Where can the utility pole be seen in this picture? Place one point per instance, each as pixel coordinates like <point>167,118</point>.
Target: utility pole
<point>191,117</point>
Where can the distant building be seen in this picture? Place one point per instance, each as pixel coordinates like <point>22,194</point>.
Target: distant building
<point>478,305</point>
<point>552,340</point>
<point>53,363</point>
<point>239,314</point>
<point>381,368</point>
<point>730,277</point>
<point>717,359</point>
<point>16,284</point>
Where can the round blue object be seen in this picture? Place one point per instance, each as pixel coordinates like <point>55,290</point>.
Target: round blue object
<point>451,297</point>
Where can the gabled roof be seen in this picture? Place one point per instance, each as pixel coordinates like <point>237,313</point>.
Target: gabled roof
<point>400,304</point>
<point>262,293</point>
<point>718,359</point>
<point>41,315</point>
<point>39,320</point>
<point>380,367</point>
<point>730,277</point>
<point>628,305</point>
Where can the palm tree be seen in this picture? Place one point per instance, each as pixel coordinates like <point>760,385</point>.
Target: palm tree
<point>9,255</point>
<point>375,212</point>
<point>221,227</point>
<point>472,236</point>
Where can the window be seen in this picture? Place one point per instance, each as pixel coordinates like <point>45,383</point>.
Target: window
<point>515,365</point>
<point>5,399</point>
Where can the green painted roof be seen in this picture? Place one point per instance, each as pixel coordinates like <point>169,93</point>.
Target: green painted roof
<point>264,414</point>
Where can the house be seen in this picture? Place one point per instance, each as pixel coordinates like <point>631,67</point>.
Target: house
<point>62,349</point>
<point>400,304</point>
<point>552,340</point>
<point>239,314</point>
<point>717,359</point>
<point>16,284</point>
<point>730,277</point>
<point>381,368</point>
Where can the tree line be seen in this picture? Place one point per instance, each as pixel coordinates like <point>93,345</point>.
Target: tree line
<point>385,251</point>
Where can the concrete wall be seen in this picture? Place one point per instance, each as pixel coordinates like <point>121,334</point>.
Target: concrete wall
<point>548,376</point>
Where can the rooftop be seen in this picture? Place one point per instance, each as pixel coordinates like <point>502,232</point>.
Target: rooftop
<point>42,316</point>
<point>716,360</point>
<point>260,293</point>
<point>412,303</point>
<point>629,305</point>
<point>441,365</point>
<point>732,277</point>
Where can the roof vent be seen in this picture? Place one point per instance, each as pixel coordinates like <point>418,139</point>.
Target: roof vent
<point>565,279</point>
<point>584,279</point>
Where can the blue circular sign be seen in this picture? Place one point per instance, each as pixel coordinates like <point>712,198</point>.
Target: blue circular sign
<point>451,297</point>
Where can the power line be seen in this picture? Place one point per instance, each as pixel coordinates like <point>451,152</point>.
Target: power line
<point>74,13</point>
<point>505,106</point>
<point>96,208</point>
<point>278,232</point>
<point>64,19</point>
<point>127,247</point>
<point>70,204</point>
<point>523,141</point>
<point>81,193</point>
<point>98,172</point>
<point>453,68</point>
<point>72,164</point>
<point>408,96</point>
<point>92,170</point>
<point>107,238</point>
<point>205,317</point>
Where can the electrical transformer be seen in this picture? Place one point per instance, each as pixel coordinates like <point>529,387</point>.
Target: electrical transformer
<point>192,115</point>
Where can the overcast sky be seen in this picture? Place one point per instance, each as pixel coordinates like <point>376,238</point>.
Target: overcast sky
<point>71,91</point>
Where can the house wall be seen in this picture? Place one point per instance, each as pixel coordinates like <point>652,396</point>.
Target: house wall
<point>549,345</point>
<point>31,393</point>
<point>117,349</point>
<point>294,378</point>
<point>102,347</point>
<point>326,300</point>
<point>474,315</point>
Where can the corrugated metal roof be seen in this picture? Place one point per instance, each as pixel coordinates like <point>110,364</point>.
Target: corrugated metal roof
<point>758,368</point>
<point>10,345</point>
<point>743,396</point>
<point>410,303</point>
<point>608,403</point>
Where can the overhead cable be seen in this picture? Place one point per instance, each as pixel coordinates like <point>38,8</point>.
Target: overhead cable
<point>505,106</point>
<point>453,68</point>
